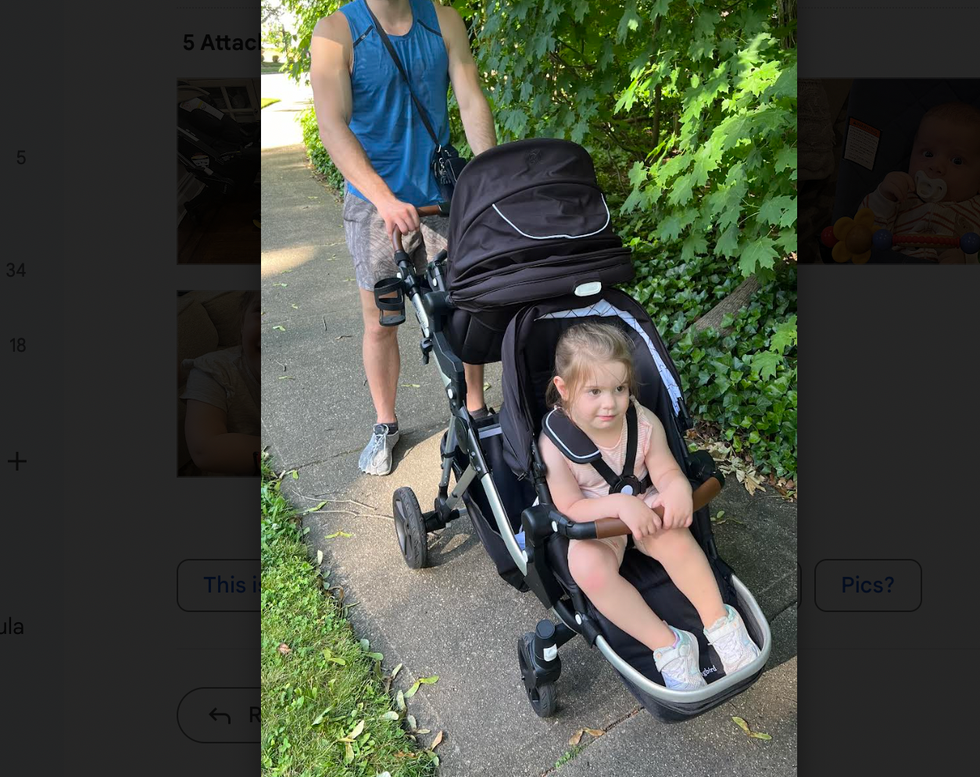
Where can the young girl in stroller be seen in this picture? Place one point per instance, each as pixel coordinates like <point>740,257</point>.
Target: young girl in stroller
<point>593,388</point>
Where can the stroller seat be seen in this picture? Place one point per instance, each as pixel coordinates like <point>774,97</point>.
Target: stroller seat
<point>528,352</point>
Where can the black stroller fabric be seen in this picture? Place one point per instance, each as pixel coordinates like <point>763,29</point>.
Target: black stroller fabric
<point>514,496</point>
<point>528,223</point>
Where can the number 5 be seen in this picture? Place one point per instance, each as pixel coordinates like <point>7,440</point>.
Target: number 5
<point>21,157</point>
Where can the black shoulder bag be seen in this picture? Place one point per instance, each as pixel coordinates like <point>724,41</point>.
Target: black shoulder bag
<point>447,164</point>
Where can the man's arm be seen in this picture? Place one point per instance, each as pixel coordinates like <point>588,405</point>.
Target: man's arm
<point>473,107</point>
<point>330,52</point>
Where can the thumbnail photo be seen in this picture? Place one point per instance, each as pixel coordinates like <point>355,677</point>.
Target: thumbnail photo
<point>218,367</point>
<point>889,171</point>
<point>218,171</point>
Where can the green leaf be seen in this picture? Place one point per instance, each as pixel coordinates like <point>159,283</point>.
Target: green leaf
<point>785,157</point>
<point>630,21</point>
<point>773,210</point>
<point>694,245</point>
<point>670,229</point>
<point>764,364</point>
<point>337,534</point>
<point>391,715</point>
<point>727,244</point>
<point>319,718</point>
<point>682,190</point>
<point>280,328</point>
<point>785,335</point>
<point>659,8</point>
<point>757,254</point>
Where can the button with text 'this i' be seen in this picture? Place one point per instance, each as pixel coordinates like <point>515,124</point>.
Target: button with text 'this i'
<point>218,585</point>
<point>868,585</point>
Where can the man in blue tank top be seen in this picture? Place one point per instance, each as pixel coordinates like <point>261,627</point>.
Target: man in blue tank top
<point>375,137</point>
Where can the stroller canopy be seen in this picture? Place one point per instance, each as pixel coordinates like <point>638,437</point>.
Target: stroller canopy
<point>529,222</point>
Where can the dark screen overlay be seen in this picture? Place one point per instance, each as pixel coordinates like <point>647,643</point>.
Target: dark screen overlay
<point>887,294</point>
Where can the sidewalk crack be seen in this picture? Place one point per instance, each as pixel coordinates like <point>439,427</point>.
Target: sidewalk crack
<point>581,748</point>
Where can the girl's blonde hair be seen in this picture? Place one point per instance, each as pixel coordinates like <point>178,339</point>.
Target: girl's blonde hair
<point>583,345</point>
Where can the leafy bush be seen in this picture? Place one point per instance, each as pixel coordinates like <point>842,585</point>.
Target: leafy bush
<point>315,151</point>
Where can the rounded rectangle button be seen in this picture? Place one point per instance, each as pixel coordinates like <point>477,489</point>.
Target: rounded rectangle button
<point>220,715</point>
<point>868,585</point>
<point>218,585</point>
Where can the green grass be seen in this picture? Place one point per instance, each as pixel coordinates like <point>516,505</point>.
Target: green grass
<point>568,756</point>
<point>269,101</point>
<point>325,709</point>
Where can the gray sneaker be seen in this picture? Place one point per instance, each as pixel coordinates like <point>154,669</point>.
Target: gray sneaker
<point>730,639</point>
<point>376,456</point>
<point>679,664</point>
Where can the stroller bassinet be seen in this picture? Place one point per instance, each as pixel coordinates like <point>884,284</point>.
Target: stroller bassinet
<point>495,461</point>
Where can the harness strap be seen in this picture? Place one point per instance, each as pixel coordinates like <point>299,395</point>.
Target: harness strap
<point>576,446</point>
<point>632,433</point>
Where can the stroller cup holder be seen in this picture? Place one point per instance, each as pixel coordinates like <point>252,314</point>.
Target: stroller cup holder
<point>394,305</point>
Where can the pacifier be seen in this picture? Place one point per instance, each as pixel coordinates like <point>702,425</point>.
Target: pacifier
<point>929,189</point>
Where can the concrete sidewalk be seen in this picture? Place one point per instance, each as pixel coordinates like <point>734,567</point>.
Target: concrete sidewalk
<point>457,619</point>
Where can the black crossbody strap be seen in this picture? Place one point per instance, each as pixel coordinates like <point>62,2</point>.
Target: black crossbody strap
<point>632,433</point>
<point>398,64</point>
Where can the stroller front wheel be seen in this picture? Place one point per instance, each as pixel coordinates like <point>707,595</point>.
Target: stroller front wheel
<point>410,528</point>
<point>542,695</point>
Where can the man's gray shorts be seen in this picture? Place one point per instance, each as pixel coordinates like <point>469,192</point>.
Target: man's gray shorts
<point>371,249</point>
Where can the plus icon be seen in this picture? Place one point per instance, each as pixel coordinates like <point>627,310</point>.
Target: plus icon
<point>17,461</point>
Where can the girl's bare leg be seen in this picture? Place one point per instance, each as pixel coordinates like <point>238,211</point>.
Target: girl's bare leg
<point>595,569</point>
<point>685,562</point>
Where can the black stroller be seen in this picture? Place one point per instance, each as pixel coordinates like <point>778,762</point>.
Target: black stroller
<point>532,252</point>
<point>217,150</point>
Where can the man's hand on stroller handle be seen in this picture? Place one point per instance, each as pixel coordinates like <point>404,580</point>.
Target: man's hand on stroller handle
<point>397,228</point>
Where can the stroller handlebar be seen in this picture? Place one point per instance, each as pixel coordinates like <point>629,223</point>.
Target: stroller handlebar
<point>440,209</point>
<point>613,527</point>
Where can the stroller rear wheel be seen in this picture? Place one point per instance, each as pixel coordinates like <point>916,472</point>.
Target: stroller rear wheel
<point>542,695</point>
<point>410,528</point>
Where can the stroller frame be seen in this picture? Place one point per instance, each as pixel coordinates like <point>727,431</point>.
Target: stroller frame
<point>537,651</point>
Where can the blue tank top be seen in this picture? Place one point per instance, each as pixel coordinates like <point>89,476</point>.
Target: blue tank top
<point>384,118</point>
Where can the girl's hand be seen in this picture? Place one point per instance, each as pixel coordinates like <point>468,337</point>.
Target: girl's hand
<point>642,521</point>
<point>677,505</point>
